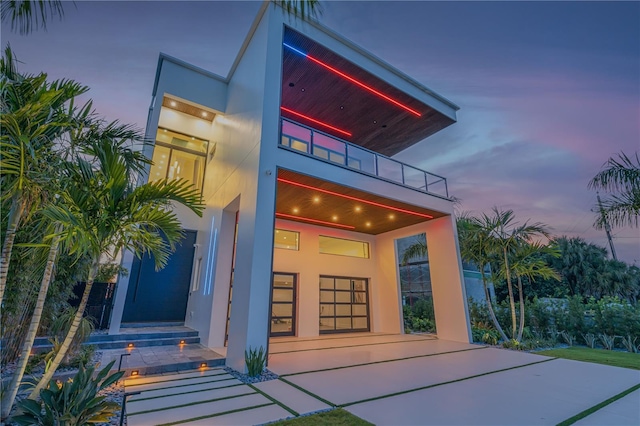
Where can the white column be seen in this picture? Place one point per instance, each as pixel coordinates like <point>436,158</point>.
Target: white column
<point>447,280</point>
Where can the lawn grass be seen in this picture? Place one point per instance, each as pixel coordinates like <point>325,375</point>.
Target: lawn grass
<point>338,417</point>
<point>598,356</point>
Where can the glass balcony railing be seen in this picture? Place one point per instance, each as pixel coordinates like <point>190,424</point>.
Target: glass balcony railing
<point>298,137</point>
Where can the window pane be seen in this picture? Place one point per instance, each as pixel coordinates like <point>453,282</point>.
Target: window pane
<point>343,284</point>
<point>326,296</point>
<point>359,285</point>
<point>282,280</point>
<point>359,309</point>
<point>327,324</point>
<point>330,245</point>
<point>181,140</point>
<point>160,161</point>
<point>343,323</point>
<point>280,295</point>
<point>359,323</point>
<point>288,240</point>
<point>326,282</point>
<point>359,297</point>
<point>186,166</point>
<point>326,310</point>
<point>281,325</point>
<point>343,296</point>
<point>282,310</point>
<point>343,310</point>
<point>299,145</point>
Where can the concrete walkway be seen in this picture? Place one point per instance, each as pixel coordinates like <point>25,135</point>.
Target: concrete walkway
<point>393,380</point>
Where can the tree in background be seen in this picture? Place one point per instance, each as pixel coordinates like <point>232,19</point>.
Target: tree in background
<point>620,177</point>
<point>26,16</point>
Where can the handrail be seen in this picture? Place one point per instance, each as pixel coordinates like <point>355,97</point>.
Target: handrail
<point>424,183</point>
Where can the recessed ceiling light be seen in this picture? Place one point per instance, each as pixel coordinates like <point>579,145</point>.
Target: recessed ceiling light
<point>341,106</point>
<point>375,121</point>
<point>392,216</point>
<point>358,208</point>
<point>316,199</point>
<point>296,210</point>
<point>334,217</point>
<point>368,224</point>
<point>204,113</point>
<point>303,89</point>
<point>173,104</point>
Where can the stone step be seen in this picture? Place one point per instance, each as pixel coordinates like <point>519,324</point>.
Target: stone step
<point>137,337</point>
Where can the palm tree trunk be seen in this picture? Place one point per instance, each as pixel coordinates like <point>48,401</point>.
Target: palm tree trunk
<point>64,348</point>
<point>492,314</point>
<point>12,390</point>
<point>15,215</point>
<point>512,303</point>
<point>521,297</point>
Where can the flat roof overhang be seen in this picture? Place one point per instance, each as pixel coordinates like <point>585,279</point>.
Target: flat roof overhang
<point>314,201</point>
<point>324,86</point>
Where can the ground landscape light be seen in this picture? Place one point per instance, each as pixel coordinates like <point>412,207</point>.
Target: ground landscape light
<point>349,197</point>
<point>353,80</point>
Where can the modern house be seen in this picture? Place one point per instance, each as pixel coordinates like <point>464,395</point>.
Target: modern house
<point>293,152</point>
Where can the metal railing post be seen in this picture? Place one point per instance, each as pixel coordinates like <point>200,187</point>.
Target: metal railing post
<point>124,405</point>
<point>402,173</point>
<point>426,182</point>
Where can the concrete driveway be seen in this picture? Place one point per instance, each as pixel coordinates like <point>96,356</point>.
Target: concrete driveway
<point>396,380</point>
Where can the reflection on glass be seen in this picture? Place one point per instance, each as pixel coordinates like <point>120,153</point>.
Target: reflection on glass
<point>284,239</point>
<point>178,156</point>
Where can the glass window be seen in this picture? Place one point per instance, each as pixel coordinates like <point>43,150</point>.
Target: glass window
<point>288,240</point>
<point>331,245</point>
<point>178,156</point>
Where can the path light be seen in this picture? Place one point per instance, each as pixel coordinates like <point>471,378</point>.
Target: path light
<point>135,373</point>
<point>130,345</point>
<point>203,365</point>
<point>182,342</point>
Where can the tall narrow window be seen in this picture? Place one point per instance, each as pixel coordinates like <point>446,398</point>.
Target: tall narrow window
<point>177,155</point>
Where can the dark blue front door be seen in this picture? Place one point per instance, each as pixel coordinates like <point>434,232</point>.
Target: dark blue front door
<point>160,296</point>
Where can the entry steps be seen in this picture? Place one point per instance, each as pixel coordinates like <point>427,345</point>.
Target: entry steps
<point>132,337</point>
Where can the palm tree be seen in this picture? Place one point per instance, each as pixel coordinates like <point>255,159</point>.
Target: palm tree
<point>504,236</point>
<point>528,262</point>
<point>81,142</point>
<point>621,178</point>
<point>306,9</point>
<point>103,212</point>
<point>27,15</point>
<point>34,114</point>
<point>475,248</point>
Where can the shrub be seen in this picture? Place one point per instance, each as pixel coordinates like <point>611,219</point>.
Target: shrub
<point>74,402</point>
<point>256,360</point>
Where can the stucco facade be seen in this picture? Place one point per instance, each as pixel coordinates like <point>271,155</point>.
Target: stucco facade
<point>243,186</point>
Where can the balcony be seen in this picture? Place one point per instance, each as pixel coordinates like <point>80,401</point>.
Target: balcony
<point>306,140</point>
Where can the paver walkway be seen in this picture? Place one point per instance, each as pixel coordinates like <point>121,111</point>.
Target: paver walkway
<point>393,380</point>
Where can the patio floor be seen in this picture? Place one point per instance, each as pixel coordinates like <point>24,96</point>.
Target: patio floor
<point>393,380</point>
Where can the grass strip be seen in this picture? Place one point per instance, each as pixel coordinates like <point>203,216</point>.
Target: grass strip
<point>349,346</point>
<point>189,384</point>
<point>191,403</point>
<point>237,410</point>
<point>331,338</point>
<point>375,398</point>
<point>175,380</point>
<point>382,361</point>
<point>270,398</point>
<point>181,393</point>
<point>337,417</point>
<point>597,407</point>
<point>319,398</point>
<point>597,356</point>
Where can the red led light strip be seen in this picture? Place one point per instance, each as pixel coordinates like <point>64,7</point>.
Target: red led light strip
<point>290,216</point>
<point>315,121</point>
<point>348,197</point>
<point>364,86</point>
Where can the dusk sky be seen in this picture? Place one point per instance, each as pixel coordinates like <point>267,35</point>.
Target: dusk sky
<point>548,90</point>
